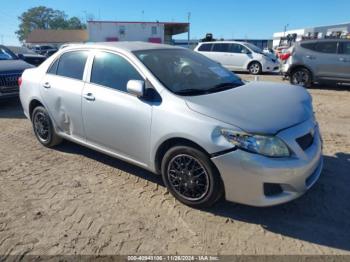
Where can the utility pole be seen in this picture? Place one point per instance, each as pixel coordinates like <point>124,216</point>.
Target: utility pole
<point>188,32</point>
<point>285,29</point>
<point>86,16</point>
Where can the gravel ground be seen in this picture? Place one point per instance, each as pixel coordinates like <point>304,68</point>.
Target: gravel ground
<point>72,200</point>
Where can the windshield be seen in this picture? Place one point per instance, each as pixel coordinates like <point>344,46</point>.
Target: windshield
<point>254,48</point>
<point>185,72</point>
<point>6,54</point>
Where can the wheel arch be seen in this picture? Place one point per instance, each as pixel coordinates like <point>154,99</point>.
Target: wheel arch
<point>169,143</point>
<point>32,105</point>
<point>298,66</point>
<point>254,61</point>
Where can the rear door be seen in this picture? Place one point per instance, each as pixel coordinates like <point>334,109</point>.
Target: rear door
<point>61,89</point>
<point>344,59</point>
<point>205,49</point>
<point>220,53</point>
<point>324,60</point>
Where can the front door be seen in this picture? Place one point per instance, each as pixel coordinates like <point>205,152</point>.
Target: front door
<point>114,119</point>
<point>238,57</point>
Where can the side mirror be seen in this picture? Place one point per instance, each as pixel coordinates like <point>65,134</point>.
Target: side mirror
<point>136,87</point>
<point>21,56</point>
<point>245,51</point>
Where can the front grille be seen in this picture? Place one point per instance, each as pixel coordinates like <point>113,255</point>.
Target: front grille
<point>305,141</point>
<point>9,83</point>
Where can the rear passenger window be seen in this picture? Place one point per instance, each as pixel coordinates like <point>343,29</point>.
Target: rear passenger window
<point>72,64</point>
<point>310,46</point>
<point>345,48</point>
<point>113,71</point>
<point>221,48</point>
<point>205,47</point>
<point>326,47</point>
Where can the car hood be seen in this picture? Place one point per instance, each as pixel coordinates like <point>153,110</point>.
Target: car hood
<point>12,66</point>
<point>257,107</point>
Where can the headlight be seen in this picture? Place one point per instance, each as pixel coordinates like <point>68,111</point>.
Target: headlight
<point>270,146</point>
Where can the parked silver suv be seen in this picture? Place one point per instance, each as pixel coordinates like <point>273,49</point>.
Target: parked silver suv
<point>177,113</point>
<point>318,61</point>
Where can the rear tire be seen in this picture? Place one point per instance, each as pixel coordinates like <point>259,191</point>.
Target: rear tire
<point>301,76</point>
<point>43,128</point>
<point>191,177</point>
<point>255,68</point>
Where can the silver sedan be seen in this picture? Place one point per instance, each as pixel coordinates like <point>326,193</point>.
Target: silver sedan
<point>177,113</point>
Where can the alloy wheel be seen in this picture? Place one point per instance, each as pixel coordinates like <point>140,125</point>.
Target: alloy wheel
<point>188,177</point>
<point>42,126</point>
<point>254,68</point>
<point>300,77</point>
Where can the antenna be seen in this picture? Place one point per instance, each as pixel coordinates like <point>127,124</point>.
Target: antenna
<point>188,35</point>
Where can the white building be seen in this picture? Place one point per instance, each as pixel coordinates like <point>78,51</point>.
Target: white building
<point>155,32</point>
<point>316,32</point>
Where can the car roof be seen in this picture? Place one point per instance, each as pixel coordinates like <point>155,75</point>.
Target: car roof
<point>129,46</point>
<point>224,42</point>
<point>325,40</point>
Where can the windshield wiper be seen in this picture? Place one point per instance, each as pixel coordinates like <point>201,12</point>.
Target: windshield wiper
<point>224,86</point>
<point>191,91</point>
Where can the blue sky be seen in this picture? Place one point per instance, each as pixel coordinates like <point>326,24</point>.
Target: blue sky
<point>223,18</point>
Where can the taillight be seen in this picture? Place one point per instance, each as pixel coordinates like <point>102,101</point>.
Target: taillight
<point>19,81</point>
<point>285,56</point>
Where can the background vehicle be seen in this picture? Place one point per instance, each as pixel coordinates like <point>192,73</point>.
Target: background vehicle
<point>318,61</point>
<point>50,52</point>
<point>239,56</point>
<point>11,68</point>
<point>27,55</point>
<point>42,49</point>
<point>177,113</point>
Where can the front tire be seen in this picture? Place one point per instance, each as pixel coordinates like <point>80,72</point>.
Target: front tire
<point>255,68</point>
<point>43,128</point>
<point>302,77</point>
<point>191,177</point>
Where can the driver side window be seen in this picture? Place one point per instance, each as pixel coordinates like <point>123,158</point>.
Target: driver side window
<point>113,71</point>
<point>238,49</point>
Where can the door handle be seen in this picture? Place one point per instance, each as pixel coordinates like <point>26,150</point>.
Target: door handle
<point>89,97</point>
<point>46,85</point>
<point>310,56</point>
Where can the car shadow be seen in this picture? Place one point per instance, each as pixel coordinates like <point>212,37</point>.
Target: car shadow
<point>331,86</point>
<point>321,216</point>
<point>11,108</point>
<point>73,148</point>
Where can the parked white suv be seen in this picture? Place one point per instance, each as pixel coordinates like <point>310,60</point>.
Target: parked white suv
<point>239,56</point>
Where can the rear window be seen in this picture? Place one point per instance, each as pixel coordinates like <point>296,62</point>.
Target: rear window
<point>326,47</point>
<point>221,48</point>
<point>72,64</point>
<point>205,47</point>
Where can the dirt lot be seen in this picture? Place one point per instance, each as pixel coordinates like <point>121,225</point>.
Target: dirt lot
<point>71,200</point>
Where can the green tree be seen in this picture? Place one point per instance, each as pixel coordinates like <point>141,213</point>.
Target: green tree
<point>42,17</point>
<point>75,23</point>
